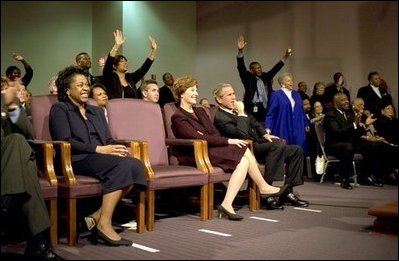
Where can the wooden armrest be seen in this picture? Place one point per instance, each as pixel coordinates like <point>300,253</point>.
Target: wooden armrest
<point>198,150</point>
<point>64,149</point>
<point>134,146</point>
<point>45,152</point>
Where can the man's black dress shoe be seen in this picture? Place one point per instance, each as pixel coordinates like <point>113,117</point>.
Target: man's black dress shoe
<point>41,252</point>
<point>346,185</point>
<point>369,181</point>
<point>292,199</point>
<point>272,203</point>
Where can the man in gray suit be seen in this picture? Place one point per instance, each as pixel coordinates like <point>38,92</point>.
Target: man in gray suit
<point>232,121</point>
<point>20,188</point>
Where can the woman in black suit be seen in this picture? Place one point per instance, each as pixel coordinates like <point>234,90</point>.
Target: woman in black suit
<point>190,122</point>
<point>94,153</point>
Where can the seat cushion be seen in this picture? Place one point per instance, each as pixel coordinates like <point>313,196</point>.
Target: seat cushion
<point>171,176</point>
<point>85,187</point>
<point>48,191</point>
<point>218,175</point>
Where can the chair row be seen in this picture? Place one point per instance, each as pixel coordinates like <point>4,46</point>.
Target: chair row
<point>139,125</point>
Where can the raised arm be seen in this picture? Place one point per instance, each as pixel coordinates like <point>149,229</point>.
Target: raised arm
<point>154,48</point>
<point>28,69</point>
<point>119,40</point>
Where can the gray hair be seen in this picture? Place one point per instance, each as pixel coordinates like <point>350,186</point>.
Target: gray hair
<point>217,91</point>
<point>283,76</point>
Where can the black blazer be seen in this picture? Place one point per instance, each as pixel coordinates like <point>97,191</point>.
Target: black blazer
<point>67,124</point>
<point>372,102</point>
<point>249,82</point>
<point>239,127</point>
<point>165,96</point>
<point>338,129</point>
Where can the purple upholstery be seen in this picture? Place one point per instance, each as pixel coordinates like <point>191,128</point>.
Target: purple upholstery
<point>135,119</point>
<point>139,120</point>
<point>84,187</point>
<point>40,108</point>
<point>48,191</point>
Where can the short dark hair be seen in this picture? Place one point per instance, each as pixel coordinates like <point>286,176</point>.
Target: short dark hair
<point>64,80</point>
<point>96,85</point>
<point>10,70</point>
<point>371,75</point>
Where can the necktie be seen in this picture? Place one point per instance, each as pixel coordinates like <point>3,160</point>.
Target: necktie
<point>345,116</point>
<point>261,91</point>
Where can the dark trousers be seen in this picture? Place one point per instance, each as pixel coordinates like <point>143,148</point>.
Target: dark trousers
<point>19,179</point>
<point>274,155</point>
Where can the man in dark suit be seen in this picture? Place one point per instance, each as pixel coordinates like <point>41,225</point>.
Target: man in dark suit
<point>232,122</point>
<point>165,92</point>
<point>257,84</point>
<point>345,135</point>
<point>20,188</point>
<point>373,96</point>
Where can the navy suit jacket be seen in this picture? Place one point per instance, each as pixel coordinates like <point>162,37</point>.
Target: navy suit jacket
<point>67,124</point>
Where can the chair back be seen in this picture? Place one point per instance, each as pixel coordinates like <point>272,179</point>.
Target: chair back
<point>139,120</point>
<point>168,110</point>
<point>40,109</point>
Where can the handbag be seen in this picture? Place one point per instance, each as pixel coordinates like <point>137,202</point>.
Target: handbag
<point>321,164</point>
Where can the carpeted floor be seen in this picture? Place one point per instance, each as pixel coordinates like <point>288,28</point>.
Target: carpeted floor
<point>335,226</point>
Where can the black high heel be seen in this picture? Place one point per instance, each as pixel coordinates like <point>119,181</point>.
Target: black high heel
<point>111,242</point>
<point>277,194</point>
<point>223,212</point>
<point>93,236</point>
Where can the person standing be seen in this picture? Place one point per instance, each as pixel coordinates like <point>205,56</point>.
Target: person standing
<point>119,82</point>
<point>257,83</point>
<point>286,116</point>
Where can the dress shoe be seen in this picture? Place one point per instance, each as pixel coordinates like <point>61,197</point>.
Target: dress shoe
<point>378,183</point>
<point>41,252</point>
<point>222,212</point>
<point>277,194</point>
<point>272,203</point>
<point>369,181</point>
<point>293,200</point>
<point>98,234</point>
<point>346,185</point>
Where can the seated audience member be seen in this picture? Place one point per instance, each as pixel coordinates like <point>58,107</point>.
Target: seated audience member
<point>338,86</point>
<point>13,72</point>
<point>345,135</point>
<point>318,95</point>
<point>119,81</point>
<point>374,96</point>
<point>204,102</point>
<point>94,152</point>
<point>232,122</point>
<point>52,86</point>
<point>20,187</point>
<point>150,91</point>
<point>387,127</point>
<point>99,94</point>
<point>302,88</point>
<point>232,155</point>
<point>166,91</point>
<point>83,61</point>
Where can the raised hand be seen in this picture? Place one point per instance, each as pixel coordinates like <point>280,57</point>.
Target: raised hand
<point>241,43</point>
<point>119,38</point>
<point>153,43</point>
<point>17,57</point>
<point>288,53</point>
